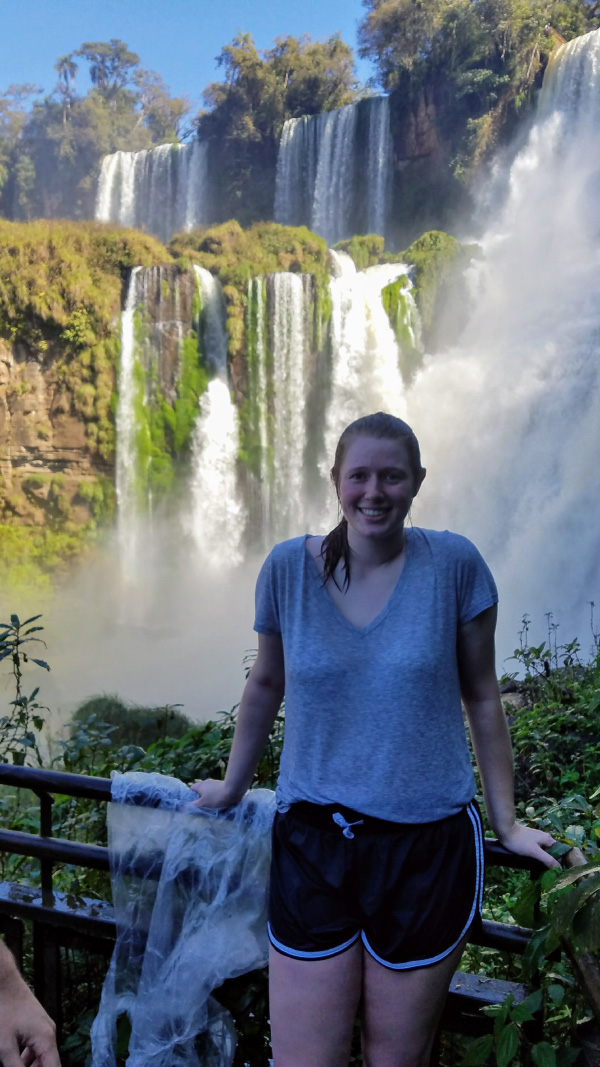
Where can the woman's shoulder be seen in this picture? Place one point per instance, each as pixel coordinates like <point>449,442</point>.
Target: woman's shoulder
<point>289,551</point>
<point>445,542</point>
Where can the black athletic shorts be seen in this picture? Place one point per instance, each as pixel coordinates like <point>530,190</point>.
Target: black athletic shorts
<point>410,891</point>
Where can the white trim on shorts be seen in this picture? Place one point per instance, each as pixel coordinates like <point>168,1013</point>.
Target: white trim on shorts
<point>318,955</point>
<point>477,903</point>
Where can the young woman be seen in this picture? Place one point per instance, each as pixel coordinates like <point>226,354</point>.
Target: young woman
<point>374,633</point>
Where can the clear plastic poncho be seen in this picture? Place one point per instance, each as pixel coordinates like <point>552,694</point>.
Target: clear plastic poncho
<point>190,897</point>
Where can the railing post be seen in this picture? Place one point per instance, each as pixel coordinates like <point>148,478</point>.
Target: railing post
<point>46,802</point>
<point>46,971</point>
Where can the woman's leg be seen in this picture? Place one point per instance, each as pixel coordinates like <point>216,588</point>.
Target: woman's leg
<point>313,1004</point>
<point>401,1010</point>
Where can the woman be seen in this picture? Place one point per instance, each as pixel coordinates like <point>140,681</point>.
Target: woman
<point>374,632</point>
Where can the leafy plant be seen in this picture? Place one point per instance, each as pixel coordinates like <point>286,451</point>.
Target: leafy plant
<point>20,726</point>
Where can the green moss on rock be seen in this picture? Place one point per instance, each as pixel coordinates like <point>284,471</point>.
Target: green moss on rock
<point>236,256</point>
<point>439,261</point>
<point>364,249</point>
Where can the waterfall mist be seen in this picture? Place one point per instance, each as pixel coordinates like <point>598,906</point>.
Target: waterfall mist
<point>175,633</point>
<point>509,420</point>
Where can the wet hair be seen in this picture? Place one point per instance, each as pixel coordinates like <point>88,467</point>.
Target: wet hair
<point>335,545</point>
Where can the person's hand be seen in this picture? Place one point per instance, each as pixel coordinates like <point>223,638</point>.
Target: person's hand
<point>527,841</point>
<point>213,794</point>
<point>27,1033</point>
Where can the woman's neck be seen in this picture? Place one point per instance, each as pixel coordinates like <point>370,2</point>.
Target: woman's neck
<point>368,553</point>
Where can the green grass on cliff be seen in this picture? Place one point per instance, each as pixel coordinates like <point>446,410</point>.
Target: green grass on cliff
<point>236,255</point>
<point>61,281</point>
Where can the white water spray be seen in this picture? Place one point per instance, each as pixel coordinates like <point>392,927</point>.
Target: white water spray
<point>163,190</point>
<point>328,175</point>
<point>509,421</point>
<point>365,373</point>
<point>126,426</point>
<point>217,520</point>
<point>288,303</point>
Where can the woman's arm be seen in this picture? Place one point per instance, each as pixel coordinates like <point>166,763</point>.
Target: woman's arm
<point>491,739</point>
<point>260,703</point>
<point>24,1024</point>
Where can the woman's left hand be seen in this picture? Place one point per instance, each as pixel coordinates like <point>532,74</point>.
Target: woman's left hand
<point>527,841</point>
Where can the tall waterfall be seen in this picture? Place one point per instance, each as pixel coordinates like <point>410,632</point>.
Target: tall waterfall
<point>126,427</point>
<point>509,421</point>
<point>163,190</point>
<point>334,170</point>
<point>217,520</point>
<point>259,392</point>
<point>287,300</point>
<point>365,374</point>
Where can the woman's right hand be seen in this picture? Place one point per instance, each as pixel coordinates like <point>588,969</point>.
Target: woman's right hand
<point>213,793</point>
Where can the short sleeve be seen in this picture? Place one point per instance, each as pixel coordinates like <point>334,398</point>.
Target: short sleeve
<point>476,588</point>
<point>266,616</point>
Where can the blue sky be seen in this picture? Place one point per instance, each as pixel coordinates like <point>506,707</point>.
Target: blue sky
<point>177,38</point>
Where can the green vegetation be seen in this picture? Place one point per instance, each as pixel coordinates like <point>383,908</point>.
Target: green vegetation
<point>439,286</point>
<point>399,304</point>
<point>477,63</point>
<point>236,256</point>
<point>555,734</point>
<point>246,111</point>
<point>50,152</point>
<point>32,556</point>
<point>365,250</point>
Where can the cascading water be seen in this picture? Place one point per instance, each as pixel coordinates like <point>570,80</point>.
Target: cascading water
<point>163,190</point>
<point>126,427</point>
<point>365,373</point>
<point>258,405</point>
<point>379,165</point>
<point>217,520</point>
<point>288,301</point>
<point>334,170</point>
<point>509,421</point>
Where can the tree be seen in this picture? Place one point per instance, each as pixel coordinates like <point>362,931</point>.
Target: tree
<point>66,68</point>
<point>246,111</point>
<point>50,156</point>
<point>477,60</point>
<point>161,114</point>
<point>111,64</point>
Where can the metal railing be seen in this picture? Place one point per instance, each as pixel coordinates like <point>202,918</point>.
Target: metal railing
<point>59,920</point>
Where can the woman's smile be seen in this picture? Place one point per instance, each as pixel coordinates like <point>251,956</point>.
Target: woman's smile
<point>376,486</point>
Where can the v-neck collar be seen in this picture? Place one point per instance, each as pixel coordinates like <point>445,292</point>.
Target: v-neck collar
<point>361,631</point>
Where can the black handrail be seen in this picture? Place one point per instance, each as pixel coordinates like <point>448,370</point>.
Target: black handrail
<point>44,782</point>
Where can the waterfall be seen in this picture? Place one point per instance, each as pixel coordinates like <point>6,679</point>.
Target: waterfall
<point>259,450</point>
<point>509,420</point>
<point>163,190</point>
<point>379,165</point>
<point>126,427</point>
<point>288,302</point>
<point>334,170</point>
<point>216,519</point>
<point>365,373</point>
<point>211,328</point>
<point>217,522</point>
<point>333,184</point>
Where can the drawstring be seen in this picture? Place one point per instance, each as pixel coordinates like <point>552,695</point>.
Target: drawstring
<point>339,820</point>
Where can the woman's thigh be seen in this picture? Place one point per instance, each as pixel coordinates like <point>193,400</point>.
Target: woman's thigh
<point>401,1010</point>
<point>313,1004</point>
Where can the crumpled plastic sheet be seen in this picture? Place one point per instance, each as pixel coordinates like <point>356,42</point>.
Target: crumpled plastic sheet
<point>190,897</point>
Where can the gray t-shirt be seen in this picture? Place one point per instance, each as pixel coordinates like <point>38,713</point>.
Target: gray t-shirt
<point>373,716</point>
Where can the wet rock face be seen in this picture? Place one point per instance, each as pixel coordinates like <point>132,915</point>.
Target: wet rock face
<point>40,438</point>
<point>167,297</point>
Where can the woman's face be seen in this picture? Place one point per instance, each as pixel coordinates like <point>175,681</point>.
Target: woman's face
<point>376,487</point>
